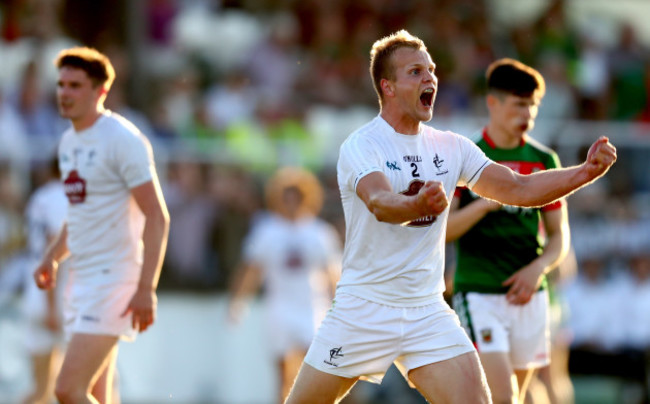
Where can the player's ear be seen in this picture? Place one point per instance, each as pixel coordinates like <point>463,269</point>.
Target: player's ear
<point>491,100</point>
<point>387,87</point>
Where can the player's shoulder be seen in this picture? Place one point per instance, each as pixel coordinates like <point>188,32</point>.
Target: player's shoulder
<point>119,126</point>
<point>366,134</point>
<point>47,189</point>
<point>443,137</point>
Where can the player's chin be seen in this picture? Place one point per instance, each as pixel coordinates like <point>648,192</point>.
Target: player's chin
<point>425,113</point>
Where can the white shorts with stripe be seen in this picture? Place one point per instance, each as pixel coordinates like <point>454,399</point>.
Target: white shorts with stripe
<point>495,325</point>
<point>359,338</point>
<point>95,306</point>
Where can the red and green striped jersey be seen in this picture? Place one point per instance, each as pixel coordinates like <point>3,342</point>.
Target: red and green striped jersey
<point>509,238</point>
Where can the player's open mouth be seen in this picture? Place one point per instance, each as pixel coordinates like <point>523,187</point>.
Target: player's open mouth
<point>426,98</point>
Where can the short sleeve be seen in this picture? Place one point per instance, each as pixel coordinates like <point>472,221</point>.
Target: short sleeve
<point>473,160</point>
<point>356,160</point>
<point>135,160</point>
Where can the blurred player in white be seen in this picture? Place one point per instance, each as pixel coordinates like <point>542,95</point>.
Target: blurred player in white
<point>297,256</point>
<point>115,232</point>
<point>44,216</point>
<point>394,176</point>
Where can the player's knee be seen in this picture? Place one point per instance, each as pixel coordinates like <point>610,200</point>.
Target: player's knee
<point>66,393</point>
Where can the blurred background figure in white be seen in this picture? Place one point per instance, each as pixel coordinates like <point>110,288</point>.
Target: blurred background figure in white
<point>45,213</point>
<point>296,256</point>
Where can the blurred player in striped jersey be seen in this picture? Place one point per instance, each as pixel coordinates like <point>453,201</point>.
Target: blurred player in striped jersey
<point>504,252</point>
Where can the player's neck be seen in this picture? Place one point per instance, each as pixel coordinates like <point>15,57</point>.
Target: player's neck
<point>87,120</point>
<point>400,122</point>
<point>503,139</point>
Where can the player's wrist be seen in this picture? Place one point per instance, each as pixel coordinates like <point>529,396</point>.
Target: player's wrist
<point>145,286</point>
<point>51,261</point>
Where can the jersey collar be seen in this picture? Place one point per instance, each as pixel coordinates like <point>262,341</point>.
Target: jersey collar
<point>491,143</point>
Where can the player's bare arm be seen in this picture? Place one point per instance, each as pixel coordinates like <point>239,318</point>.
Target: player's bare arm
<point>45,274</point>
<point>247,280</point>
<point>525,282</point>
<point>461,220</point>
<point>506,186</point>
<point>388,206</point>
<point>148,197</point>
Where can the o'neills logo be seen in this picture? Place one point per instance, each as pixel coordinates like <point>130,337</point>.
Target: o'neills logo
<point>413,189</point>
<point>75,188</point>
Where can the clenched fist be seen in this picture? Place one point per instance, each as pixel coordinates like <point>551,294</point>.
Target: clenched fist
<point>432,199</point>
<point>600,157</point>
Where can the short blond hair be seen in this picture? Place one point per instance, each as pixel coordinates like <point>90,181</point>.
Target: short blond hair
<point>381,66</point>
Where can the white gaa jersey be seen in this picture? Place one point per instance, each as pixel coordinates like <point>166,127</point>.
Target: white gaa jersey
<point>294,258</point>
<point>99,166</point>
<point>400,265</point>
<point>44,216</point>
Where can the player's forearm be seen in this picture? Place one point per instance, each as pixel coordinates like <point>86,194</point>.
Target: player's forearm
<point>247,281</point>
<point>461,220</point>
<point>394,208</point>
<point>556,249</point>
<point>533,190</point>
<point>154,238</point>
<point>57,249</point>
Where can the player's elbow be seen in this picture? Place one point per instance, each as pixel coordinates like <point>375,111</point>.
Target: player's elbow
<point>380,213</point>
<point>159,218</point>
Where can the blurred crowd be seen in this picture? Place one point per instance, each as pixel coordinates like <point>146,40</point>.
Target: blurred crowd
<point>230,90</point>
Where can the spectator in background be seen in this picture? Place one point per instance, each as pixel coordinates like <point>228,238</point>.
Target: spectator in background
<point>45,214</point>
<point>592,78</point>
<point>559,102</point>
<point>627,66</point>
<point>637,308</point>
<point>296,256</point>
<point>595,320</point>
<point>274,65</point>
<point>234,190</point>
<point>14,149</point>
<point>188,264</point>
<point>11,218</point>
<point>231,101</point>
<point>36,109</point>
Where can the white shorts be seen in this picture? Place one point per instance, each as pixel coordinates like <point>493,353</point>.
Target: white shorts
<point>494,325</point>
<point>95,307</point>
<point>359,338</point>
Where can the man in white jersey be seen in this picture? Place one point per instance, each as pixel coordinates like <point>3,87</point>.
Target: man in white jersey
<point>115,232</point>
<point>44,215</point>
<point>297,256</point>
<point>394,176</point>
